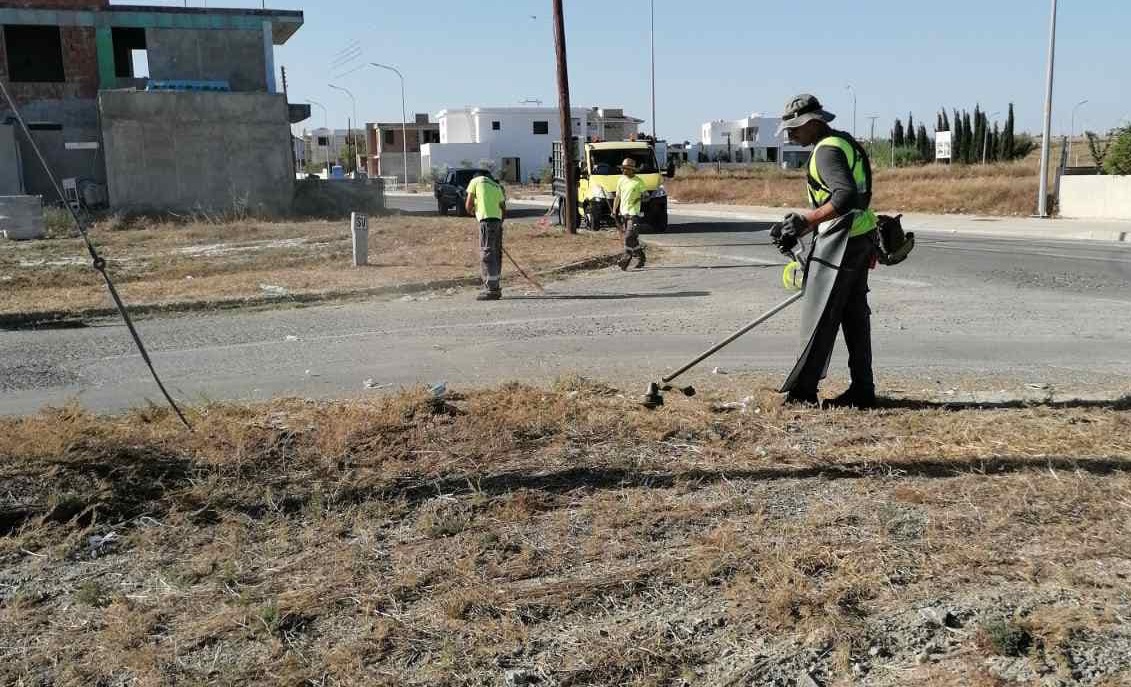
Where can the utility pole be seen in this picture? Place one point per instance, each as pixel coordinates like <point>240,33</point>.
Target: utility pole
<point>850,88</point>
<point>652,40</point>
<point>1046,141</point>
<point>569,213</point>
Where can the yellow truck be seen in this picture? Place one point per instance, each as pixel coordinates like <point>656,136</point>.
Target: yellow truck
<point>598,169</point>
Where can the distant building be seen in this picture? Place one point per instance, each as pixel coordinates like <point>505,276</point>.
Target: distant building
<point>516,142</point>
<point>750,139</point>
<point>150,108</point>
<point>386,146</point>
<point>327,144</point>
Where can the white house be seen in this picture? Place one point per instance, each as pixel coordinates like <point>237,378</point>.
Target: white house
<point>750,139</point>
<point>517,142</point>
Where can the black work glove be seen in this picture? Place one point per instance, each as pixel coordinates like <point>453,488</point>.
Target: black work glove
<point>785,235</point>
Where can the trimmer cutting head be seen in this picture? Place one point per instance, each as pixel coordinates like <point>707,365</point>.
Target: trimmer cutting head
<point>652,397</point>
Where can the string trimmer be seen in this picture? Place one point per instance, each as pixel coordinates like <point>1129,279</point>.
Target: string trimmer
<point>654,396</point>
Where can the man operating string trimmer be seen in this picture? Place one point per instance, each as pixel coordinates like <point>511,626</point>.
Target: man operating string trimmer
<point>843,252</point>
<point>834,282</point>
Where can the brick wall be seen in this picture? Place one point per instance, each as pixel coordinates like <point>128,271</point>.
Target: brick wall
<point>80,67</point>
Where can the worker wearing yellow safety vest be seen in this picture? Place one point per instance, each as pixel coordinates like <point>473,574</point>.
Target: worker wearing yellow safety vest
<point>843,251</point>
<point>488,201</point>
<point>626,208</point>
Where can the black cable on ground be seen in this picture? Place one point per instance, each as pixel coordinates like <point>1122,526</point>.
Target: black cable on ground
<point>97,261</point>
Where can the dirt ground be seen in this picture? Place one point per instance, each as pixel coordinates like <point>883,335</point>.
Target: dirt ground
<point>999,189</point>
<point>564,536</point>
<point>167,262</point>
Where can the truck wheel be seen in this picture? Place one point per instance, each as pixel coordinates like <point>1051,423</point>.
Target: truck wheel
<point>461,210</point>
<point>658,222</point>
<point>443,209</point>
<point>591,219</point>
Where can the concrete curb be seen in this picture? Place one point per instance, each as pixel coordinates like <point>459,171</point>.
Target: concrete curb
<point>58,319</point>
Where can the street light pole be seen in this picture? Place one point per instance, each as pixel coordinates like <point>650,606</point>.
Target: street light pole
<point>850,88</point>
<point>1046,141</point>
<point>652,40</point>
<point>325,125</point>
<point>986,144</point>
<point>404,126</point>
<point>1072,131</point>
<point>349,131</point>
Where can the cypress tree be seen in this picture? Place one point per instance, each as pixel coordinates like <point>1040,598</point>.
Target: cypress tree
<point>897,136</point>
<point>995,143</point>
<point>967,139</point>
<point>978,138</point>
<point>1007,149</point>
<point>945,122</point>
<point>910,130</point>
<point>923,144</point>
<point>956,139</point>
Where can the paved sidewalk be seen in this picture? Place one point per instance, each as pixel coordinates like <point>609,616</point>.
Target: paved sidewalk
<point>971,225</point>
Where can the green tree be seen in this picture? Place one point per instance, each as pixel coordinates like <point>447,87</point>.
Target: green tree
<point>956,139</point>
<point>1118,157</point>
<point>1008,142</point>
<point>910,130</point>
<point>945,122</point>
<point>979,132</point>
<point>923,143</point>
<point>968,144</point>
<point>897,135</point>
<point>995,143</point>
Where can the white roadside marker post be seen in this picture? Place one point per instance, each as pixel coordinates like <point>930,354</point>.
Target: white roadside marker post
<point>359,227</point>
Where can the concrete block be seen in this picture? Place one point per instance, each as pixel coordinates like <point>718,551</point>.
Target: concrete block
<point>21,217</point>
<point>1095,197</point>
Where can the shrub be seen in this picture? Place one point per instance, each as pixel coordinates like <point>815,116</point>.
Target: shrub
<point>1118,157</point>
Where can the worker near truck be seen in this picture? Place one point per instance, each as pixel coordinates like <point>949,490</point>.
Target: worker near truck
<point>627,208</point>
<point>839,187</point>
<point>488,201</point>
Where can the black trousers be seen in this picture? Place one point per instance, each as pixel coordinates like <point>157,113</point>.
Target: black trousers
<point>847,310</point>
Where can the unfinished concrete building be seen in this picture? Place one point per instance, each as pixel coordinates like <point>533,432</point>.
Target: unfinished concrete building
<point>205,129</point>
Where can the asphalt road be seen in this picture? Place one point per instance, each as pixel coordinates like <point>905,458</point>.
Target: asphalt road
<point>994,314</point>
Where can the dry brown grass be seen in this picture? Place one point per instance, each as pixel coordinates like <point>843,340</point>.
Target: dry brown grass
<point>565,532</point>
<point>999,189</point>
<point>158,263</point>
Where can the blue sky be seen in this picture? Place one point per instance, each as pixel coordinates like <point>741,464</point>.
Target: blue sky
<point>716,60</point>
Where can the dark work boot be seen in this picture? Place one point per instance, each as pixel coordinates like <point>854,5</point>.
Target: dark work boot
<point>624,261</point>
<point>860,399</point>
<point>489,295</point>
<point>640,260</point>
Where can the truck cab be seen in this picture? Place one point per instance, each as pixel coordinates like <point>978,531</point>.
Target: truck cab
<point>598,173</point>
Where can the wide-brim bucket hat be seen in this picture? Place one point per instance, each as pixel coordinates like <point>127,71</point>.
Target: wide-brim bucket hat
<point>801,110</point>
